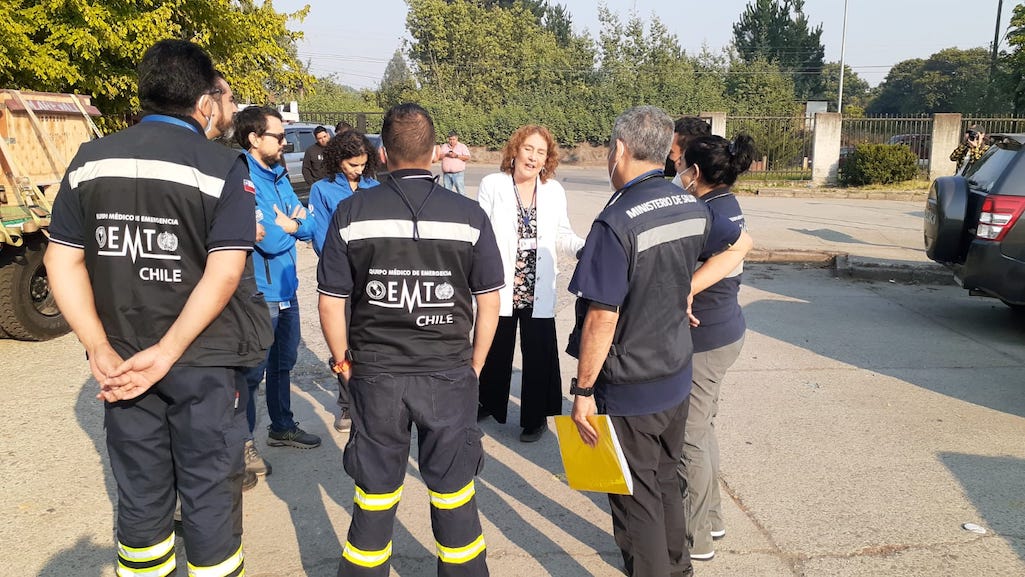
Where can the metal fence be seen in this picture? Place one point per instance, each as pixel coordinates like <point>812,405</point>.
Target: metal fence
<point>995,124</point>
<point>783,144</point>
<point>915,132</point>
<point>365,122</point>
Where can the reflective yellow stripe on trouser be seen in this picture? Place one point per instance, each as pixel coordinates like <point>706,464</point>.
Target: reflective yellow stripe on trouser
<point>376,501</point>
<point>153,561</point>
<point>448,502</point>
<point>366,558</point>
<point>233,565</point>
<point>453,500</point>
<point>461,554</point>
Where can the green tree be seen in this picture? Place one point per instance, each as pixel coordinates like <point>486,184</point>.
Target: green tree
<point>951,80</point>
<point>778,31</point>
<point>856,91</point>
<point>327,95</point>
<point>1014,61</point>
<point>92,46</point>
<point>397,84</point>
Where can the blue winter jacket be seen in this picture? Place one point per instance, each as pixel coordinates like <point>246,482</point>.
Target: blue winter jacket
<point>274,257</point>
<point>324,198</point>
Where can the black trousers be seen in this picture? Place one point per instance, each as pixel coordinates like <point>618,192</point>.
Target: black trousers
<point>443,406</point>
<point>650,525</point>
<point>541,385</point>
<point>184,435</point>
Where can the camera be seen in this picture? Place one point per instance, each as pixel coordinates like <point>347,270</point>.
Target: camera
<point>973,134</point>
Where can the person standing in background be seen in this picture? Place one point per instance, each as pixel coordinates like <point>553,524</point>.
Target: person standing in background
<point>527,209</point>
<point>454,155</point>
<point>313,160</point>
<point>260,131</point>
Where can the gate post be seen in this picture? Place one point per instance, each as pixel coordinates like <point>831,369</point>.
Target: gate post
<point>946,135</point>
<point>825,155</point>
<point>717,120</point>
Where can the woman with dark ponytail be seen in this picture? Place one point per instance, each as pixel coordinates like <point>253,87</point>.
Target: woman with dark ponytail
<point>707,169</point>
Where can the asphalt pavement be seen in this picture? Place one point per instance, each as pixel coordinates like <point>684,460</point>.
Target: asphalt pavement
<point>865,422</point>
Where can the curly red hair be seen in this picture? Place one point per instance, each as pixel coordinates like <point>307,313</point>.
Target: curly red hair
<point>516,141</point>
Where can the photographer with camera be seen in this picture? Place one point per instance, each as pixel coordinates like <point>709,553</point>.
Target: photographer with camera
<point>975,144</point>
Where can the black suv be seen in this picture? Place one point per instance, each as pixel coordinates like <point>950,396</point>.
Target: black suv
<point>972,222</point>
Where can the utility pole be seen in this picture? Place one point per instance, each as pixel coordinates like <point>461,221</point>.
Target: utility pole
<point>843,48</point>
<point>993,58</point>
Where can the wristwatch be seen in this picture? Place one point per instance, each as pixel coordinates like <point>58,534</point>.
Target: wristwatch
<point>339,367</point>
<point>581,391</point>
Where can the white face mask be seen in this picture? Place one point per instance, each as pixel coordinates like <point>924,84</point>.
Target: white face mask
<point>611,172</point>
<point>677,180</point>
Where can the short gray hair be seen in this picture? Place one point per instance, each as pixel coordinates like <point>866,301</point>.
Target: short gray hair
<point>647,131</point>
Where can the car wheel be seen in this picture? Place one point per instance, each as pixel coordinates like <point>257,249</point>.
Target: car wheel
<point>945,212</point>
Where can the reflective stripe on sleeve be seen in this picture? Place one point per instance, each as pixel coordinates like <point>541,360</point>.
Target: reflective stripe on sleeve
<point>458,555</point>
<point>376,501</point>
<point>366,558</point>
<point>222,569</point>
<point>452,500</point>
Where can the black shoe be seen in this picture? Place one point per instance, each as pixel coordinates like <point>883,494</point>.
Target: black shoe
<point>249,480</point>
<point>294,437</point>
<point>532,434</point>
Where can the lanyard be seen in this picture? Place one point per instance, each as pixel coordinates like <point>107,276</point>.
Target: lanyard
<point>646,176</point>
<point>394,185</point>
<point>169,120</point>
<point>524,212</point>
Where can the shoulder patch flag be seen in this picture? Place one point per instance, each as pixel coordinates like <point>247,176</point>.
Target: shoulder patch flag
<point>248,186</point>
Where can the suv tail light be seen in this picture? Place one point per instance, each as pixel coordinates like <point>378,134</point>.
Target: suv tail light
<point>999,213</point>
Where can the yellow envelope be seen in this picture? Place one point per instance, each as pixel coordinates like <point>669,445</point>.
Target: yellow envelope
<point>601,468</point>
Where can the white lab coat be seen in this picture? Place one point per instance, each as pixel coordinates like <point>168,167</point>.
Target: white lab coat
<point>497,196</point>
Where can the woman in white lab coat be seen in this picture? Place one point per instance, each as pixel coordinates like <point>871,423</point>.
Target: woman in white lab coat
<point>527,208</point>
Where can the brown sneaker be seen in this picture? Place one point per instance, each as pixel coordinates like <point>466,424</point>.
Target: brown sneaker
<point>255,463</point>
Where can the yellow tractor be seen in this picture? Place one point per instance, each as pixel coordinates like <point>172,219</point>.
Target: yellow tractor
<point>40,132</point>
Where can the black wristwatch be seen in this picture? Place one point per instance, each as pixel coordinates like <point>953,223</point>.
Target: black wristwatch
<point>581,391</point>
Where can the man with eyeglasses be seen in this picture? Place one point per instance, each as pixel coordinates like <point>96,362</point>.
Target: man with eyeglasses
<point>260,131</point>
<point>148,261</point>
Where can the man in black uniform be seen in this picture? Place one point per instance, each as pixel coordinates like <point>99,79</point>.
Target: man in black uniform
<point>634,346</point>
<point>313,160</point>
<point>148,261</point>
<point>411,256</point>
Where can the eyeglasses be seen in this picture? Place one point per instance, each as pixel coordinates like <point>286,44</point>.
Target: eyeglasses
<point>279,136</point>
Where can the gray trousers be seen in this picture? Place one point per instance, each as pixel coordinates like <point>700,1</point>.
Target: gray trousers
<point>699,467</point>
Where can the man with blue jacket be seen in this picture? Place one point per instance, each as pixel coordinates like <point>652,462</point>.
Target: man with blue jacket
<point>280,219</point>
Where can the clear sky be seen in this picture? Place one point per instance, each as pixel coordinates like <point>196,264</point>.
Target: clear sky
<point>355,39</point>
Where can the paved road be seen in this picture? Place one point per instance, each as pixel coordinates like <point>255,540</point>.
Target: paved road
<point>862,425</point>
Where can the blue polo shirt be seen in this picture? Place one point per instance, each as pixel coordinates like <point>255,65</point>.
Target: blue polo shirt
<point>718,306</point>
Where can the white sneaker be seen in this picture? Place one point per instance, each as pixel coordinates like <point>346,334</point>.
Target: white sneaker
<point>716,535</point>
<point>702,556</point>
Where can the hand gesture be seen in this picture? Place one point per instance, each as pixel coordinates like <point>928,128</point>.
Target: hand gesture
<point>136,375</point>
<point>287,222</point>
<point>260,232</point>
<point>584,407</point>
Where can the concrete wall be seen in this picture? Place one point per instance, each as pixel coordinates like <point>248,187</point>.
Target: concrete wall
<point>826,149</point>
<point>946,135</point>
